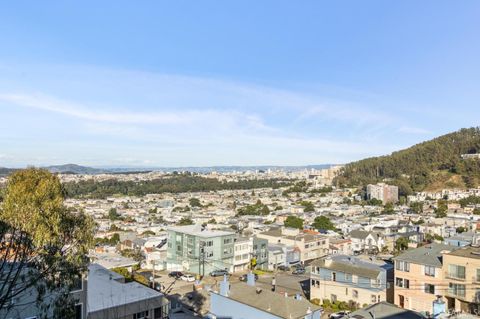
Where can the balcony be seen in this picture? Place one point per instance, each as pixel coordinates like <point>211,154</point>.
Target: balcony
<point>455,277</point>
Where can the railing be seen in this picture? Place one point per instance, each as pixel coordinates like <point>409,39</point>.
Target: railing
<point>448,275</point>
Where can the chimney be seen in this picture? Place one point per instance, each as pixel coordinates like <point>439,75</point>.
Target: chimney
<point>328,261</point>
<point>251,279</point>
<point>224,287</point>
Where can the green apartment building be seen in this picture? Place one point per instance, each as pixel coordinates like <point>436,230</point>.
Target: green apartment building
<point>196,250</point>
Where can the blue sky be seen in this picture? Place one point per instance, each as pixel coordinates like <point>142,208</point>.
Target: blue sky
<point>180,83</point>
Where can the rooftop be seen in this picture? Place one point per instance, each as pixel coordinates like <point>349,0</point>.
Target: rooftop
<point>384,310</point>
<point>271,302</point>
<point>196,230</point>
<point>467,251</point>
<point>106,290</point>
<point>429,255</point>
<point>352,265</point>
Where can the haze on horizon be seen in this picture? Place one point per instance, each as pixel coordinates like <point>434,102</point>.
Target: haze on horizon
<point>246,83</point>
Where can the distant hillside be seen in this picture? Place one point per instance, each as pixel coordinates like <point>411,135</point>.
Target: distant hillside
<point>6,171</point>
<point>430,165</point>
<point>75,169</point>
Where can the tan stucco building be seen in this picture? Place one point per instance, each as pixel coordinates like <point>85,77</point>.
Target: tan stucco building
<point>419,277</point>
<point>461,269</point>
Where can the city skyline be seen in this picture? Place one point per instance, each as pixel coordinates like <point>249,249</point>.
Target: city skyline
<point>277,84</point>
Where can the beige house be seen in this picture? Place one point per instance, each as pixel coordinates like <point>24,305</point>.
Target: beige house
<point>419,277</point>
<point>310,244</point>
<point>461,270</point>
<point>351,279</point>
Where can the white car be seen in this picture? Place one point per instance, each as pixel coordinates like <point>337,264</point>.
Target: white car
<point>188,278</point>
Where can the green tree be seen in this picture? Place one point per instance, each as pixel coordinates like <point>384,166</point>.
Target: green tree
<point>195,202</point>
<point>48,242</point>
<point>460,229</point>
<point>441,209</point>
<point>401,244</point>
<point>212,221</point>
<point>294,222</point>
<point>416,207</point>
<point>388,209</point>
<point>323,222</point>
<point>307,206</point>
<point>113,214</point>
<point>185,221</point>
<point>476,211</point>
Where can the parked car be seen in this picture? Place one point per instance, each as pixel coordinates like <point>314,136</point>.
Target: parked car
<point>217,273</point>
<point>338,315</point>
<point>244,277</point>
<point>188,277</point>
<point>283,268</point>
<point>175,274</point>
<point>298,271</point>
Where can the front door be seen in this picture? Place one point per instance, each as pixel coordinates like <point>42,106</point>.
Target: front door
<point>401,301</point>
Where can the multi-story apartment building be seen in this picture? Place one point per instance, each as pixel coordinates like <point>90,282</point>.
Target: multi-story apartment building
<point>381,191</point>
<point>197,250</point>
<point>310,245</point>
<point>351,279</point>
<point>242,256</point>
<point>250,252</point>
<point>461,270</point>
<point>419,277</point>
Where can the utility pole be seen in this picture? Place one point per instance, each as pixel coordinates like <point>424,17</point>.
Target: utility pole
<point>153,273</point>
<point>201,259</point>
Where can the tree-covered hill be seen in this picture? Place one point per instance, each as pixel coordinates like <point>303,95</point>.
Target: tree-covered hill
<point>430,165</point>
<point>177,183</point>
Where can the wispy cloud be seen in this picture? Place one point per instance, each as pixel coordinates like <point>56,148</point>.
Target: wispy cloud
<point>139,117</point>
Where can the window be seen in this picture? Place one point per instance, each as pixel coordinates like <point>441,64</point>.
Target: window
<point>354,279</point>
<point>334,276</point>
<point>348,277</point>
<point>375,283</point>
<point>78,311</point>
<point>346,291</point>
<point>456,289</point>
<point>190,240</point>
<point>141,315</point>
<point>402,283</point>
<point>478,275</point>
<point>209,243</point>
<point>333,298</point>
<point>208,254</point>
<point>227,240</point>
<point>456,271</point>
<point>373,298</point>
<point>429,289</point>
<point>399,282</point>
<point>430,271</point>
<point>355,294</point>
<point>402,266</point>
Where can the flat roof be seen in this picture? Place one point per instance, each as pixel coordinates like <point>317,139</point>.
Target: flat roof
<point>196,230</point>
<point>106,291</point>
